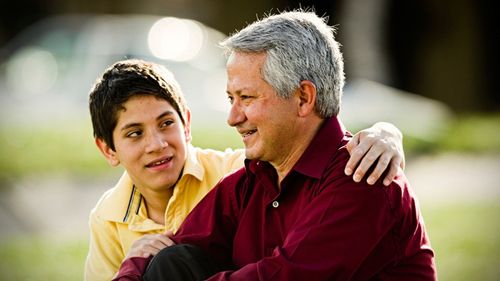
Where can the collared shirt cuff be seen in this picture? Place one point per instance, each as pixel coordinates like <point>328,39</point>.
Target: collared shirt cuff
<point>132,269</point>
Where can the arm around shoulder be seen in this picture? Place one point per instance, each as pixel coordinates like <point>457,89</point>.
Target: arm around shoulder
<point>380,147</point>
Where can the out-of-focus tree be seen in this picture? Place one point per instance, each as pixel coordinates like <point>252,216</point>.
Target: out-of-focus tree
<point>445,50</point>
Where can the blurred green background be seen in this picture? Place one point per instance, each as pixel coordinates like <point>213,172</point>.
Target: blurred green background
<point>463,229</point>
<point>430,68</point>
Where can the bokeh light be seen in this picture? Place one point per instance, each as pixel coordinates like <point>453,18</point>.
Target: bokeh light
<point>175,39</point>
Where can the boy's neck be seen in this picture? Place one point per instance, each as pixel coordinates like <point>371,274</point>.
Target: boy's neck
<point>156,204</point>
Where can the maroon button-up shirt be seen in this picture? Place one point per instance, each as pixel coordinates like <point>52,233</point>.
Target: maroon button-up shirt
<point>320,225</point>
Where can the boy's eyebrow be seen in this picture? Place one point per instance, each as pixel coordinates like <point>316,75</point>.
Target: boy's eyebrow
<point>130,125</point>
<point>166,113</point>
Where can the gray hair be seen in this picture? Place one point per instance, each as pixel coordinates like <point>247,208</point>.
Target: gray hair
<point>299,46</point>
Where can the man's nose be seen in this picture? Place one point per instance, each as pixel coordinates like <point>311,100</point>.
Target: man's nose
<point>236,115</point>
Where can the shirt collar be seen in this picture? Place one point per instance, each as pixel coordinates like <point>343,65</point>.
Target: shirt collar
<point>327,141</point>
<point>123,202</point>
<point>193,166</point>
<point>317,155</point>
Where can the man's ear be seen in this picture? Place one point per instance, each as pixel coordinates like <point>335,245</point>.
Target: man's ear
<point>108,153</point>
<point>306,95</point>
<point>187,126</point>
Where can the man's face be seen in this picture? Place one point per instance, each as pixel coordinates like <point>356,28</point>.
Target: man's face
<point>150,142</point>
<point>264,120</point>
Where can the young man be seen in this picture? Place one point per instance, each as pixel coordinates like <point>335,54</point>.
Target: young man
<point>141,121</point>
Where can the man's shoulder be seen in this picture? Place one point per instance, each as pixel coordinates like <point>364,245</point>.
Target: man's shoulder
<point>336,163</point>
<point>233,184</point>
<point>234,178</point>
<point>335,177</point>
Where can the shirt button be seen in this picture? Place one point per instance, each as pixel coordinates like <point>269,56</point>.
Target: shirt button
<point>275,204</point>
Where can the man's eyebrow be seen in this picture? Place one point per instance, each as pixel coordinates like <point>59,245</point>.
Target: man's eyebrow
<point>239,91</point>
<point>130,125</point>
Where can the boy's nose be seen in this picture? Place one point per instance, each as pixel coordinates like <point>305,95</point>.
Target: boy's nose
<point>156,142</point>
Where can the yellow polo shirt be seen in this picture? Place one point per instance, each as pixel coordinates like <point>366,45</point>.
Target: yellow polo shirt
<point>120,216</point>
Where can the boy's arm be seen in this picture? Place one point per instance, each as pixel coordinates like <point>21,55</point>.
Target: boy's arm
<point>380,145</point>
<point>211,226</point>
<point>104,257</point>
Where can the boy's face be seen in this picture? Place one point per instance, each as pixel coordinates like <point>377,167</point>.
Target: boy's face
<point>150,142</point>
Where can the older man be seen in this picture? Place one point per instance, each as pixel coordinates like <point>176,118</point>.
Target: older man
<point>291,213</point>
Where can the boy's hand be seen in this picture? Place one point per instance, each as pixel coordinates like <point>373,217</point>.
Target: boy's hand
<point>381,144</point>
<point>150,245</point>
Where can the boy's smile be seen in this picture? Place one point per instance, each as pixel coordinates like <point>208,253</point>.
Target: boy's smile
<point>150,142</point>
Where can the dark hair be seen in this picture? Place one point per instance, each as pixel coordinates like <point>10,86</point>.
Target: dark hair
<point>124,80</point>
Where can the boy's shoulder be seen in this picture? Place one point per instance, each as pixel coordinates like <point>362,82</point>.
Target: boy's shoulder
<point>113,202</point>
<point>220,162</point>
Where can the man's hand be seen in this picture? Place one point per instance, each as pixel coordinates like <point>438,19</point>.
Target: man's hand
<point>381,144</point>
<point>150,245</point>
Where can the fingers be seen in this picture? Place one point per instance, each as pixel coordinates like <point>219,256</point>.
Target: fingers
<point>368,160</point>
<point>352,143</point>
<point>379,147</point>
<point>148,250</point>
<point>393,171</point>
<point>357,151</point>
<point>384,160</point>
<point>145,249</point>
<point>149,245</point>
<point>382,163</point>
<point>165,239</point>
<point>403,160</point>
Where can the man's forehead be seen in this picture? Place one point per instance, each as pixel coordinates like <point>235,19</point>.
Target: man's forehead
<point>251,56</point>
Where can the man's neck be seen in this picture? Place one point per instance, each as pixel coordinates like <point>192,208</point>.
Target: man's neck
<point>303,138</point>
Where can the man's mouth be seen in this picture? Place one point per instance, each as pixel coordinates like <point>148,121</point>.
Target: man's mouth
<point>248,133</point>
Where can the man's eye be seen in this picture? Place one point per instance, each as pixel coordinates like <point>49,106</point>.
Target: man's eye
<point>231,99</point>
<point>246,97</point>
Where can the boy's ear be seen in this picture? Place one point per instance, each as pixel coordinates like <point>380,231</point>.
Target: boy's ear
<point>108,153</point>
<point>187,126</point>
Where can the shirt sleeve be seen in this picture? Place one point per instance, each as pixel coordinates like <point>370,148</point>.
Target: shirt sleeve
<point>132,269</point>
<point>212,223</point>
<point>104,256</point>
<point>210,226</point>
<point>344,234</point>
<point>233,159</point>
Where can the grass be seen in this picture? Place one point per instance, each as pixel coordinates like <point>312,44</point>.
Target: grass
<point>69,148</point>
<point>464,236</point>
<point>471,133</point>
<point>39,258</point>
<point>465,239</point>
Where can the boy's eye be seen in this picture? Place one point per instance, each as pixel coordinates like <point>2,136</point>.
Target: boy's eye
<point>167,123</point>
<point>134,134</point>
